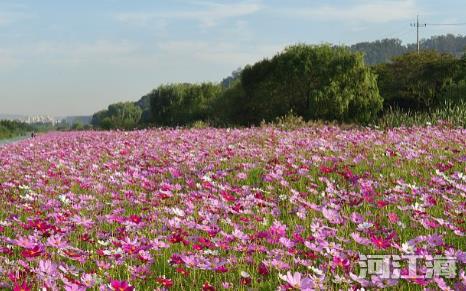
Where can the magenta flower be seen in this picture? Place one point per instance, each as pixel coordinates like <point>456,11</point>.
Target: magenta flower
<point>380,242</point>
<point>121,286</point>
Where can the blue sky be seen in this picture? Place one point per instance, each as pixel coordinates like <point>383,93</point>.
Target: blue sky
<point>65,57</point>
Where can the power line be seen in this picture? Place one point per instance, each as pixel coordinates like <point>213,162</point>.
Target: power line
<point>446,24</point>
<point>398,33</point>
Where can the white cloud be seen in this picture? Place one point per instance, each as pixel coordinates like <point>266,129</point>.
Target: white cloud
<point>74,54</point>
<point>372,11</point>
<point>223,54</point>
<point>98,50</point>
<point>209,15</point>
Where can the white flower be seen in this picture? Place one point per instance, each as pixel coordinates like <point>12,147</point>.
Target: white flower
<point>316,270</point>
<point>462,176</point>
<point>364,225</point>
<point>418,207</point>
<point>5,223</point>
<point>283,197</point>
<point>27,197</point>
<point>337,279</point>
<point>211,252</point>
<point>63,199</point>
<point>178,212</point>
<point>24,187</point>
<point>407,248</point>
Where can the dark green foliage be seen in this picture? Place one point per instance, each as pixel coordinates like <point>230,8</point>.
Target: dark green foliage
<point>228,109</point>
<point>182,104</point>
<point>315,82</point>
<point>124,115</point>
<point>461,69</point>
<point>144,104</point>
<point>417,81</point>
<point>12,128</point>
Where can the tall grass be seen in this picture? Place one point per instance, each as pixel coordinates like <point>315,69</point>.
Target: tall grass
<point>450,113</point>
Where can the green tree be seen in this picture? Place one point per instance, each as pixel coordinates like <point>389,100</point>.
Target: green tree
<point>227,109</point>
<point>183,104</point>
<point>315,82</point>
<point>416,81</point>
<point>123,115</point>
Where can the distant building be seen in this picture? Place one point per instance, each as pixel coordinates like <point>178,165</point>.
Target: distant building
<point>40,119</point>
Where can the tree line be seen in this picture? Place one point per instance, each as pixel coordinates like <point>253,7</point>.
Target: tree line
<point>315,82</point>
<point>12,128</point>
<point>382,51</point>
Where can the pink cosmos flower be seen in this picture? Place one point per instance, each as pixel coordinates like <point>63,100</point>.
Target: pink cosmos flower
<point>360,240</point>
<point>393,217</point>
<point>241,176</point>
<point>22,287</point>
<point>296,281</point>
<point>380,242</point>
<point>74,287</point>
<point>332,215</point>
<point>357,218</point>
<point>32,252</point>
<point>121,286</point>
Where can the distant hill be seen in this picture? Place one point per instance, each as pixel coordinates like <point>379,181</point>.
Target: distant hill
<point>381,51</point>
<point>29,119</point>
<point>11,116</point>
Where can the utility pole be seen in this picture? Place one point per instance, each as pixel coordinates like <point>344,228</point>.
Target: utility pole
<point>417,25</point>
<point>417,33</point>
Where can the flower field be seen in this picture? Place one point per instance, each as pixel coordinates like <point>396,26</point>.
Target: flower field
<point>215,209</point>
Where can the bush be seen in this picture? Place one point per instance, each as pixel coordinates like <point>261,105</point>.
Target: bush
<point>199,124</point>
<point>290,121</point>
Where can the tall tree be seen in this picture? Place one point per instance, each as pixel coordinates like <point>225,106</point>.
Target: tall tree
<point>182,104</point>
<point>416,81</point>
<point>316,82</point>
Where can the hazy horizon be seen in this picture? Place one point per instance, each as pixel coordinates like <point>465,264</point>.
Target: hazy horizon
<point>73,58</point>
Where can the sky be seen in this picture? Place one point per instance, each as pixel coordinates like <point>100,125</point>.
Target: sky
<point>68,57</point>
